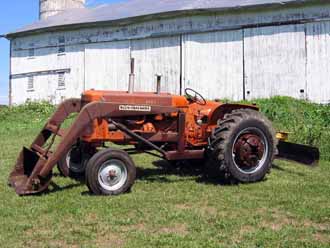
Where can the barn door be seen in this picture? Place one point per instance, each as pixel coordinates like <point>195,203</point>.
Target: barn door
<point>157,56</point>
<point>212,64</point>
<point>107,65</point>
<point>275,61</point>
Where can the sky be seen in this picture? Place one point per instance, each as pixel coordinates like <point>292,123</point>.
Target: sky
<point>16,14</point>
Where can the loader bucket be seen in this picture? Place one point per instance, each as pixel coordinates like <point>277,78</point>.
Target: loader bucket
<point>24,177</point>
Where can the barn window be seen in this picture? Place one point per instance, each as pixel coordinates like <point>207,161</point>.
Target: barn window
<point>30,84</point>
<point>31,53</point>
<point>61,40</point>
<point>61,45</point>
<point>61,80</point>
<point>61,49</point>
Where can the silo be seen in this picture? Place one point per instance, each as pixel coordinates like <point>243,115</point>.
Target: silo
<point>49,8</point>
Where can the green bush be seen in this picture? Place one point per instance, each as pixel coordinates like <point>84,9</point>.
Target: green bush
<point>31,109</point>
<point>22,117</point>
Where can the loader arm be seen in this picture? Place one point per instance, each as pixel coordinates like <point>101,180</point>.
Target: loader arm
<point>31,159</point>
<point>32,173</point>
<point>53,125</point>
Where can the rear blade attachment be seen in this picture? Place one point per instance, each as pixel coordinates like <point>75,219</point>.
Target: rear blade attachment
<point>302,154</point>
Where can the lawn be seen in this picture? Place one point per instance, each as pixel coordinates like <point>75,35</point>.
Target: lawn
<point>167,207</point>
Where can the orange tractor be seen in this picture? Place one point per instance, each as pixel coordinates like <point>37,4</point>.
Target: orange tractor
<point>233,139</point>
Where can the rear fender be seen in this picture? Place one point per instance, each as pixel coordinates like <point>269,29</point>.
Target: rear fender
<point>219,112</point>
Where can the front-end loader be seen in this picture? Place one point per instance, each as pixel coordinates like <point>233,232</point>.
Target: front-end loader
<point>234,139</point>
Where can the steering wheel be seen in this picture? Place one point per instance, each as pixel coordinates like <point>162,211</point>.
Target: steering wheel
<point>194,96</point>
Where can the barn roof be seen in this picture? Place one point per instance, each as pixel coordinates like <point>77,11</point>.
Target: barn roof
<point>131,9</point>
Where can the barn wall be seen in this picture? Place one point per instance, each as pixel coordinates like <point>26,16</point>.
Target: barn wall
<point>44,89</point>
<point>157,56</point>
<point>107,65</point>
<point>45,66</point>
<point>242,62</point>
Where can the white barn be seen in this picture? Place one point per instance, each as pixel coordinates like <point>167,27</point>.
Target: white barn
<point>235,49</point>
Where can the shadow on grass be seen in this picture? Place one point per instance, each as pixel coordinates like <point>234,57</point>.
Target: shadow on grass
<point>188,171</point>
<point>56,188</point>
<point>279,168</point>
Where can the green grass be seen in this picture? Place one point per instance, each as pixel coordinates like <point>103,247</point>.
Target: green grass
<point>169,207</point>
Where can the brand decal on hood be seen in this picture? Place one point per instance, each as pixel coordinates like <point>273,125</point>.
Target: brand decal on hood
<point>139,108</point>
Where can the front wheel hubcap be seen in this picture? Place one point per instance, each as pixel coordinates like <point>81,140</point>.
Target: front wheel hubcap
<point>112,175</point>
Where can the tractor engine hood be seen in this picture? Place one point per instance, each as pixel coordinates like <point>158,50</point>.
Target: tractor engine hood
<point>136,98</point>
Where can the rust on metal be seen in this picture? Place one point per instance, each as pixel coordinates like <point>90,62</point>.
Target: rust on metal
<point>249,150</point>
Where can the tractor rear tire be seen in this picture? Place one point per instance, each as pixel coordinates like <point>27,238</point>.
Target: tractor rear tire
<point>243,146</point>
<point>110,172</point>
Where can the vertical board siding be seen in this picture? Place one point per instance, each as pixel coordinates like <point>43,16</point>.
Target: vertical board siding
<point>318,61</point>
<point>107,66</point>
<point>157,56</point>
<point>213,64</point>
<point>275,61</point>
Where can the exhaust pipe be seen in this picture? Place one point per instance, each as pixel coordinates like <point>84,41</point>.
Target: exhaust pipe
<point>131,78</point>
<point>159,79</point>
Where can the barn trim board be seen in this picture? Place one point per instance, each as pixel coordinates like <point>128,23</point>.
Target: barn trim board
<point>10,87</point>
<point>39,73</point>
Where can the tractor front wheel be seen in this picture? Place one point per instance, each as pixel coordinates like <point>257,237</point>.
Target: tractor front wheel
<point>110,172</point>
<point>243,146</point>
